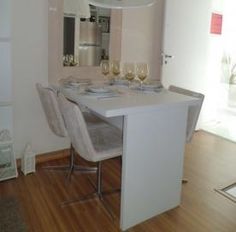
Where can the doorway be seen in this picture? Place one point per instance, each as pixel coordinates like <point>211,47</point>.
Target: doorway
<point>220,113</point>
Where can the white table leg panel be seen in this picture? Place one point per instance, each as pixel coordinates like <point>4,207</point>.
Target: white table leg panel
<point>152,163</point>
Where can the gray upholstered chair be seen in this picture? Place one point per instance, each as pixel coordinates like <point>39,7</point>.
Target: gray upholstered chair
<point>92,144</point>
<point>48,98</point>
<point>193,111</point>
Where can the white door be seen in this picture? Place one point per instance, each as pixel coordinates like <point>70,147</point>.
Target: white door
<point>185,43</point>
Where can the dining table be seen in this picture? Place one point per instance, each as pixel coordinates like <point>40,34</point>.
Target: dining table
<point>154,133</point>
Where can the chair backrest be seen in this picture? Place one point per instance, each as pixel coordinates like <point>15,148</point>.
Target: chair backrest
<point>76,128</point>
<point>193,110</point>
<point>48,98</point>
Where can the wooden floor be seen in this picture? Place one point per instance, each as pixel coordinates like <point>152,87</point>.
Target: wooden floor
<point>209,163</point>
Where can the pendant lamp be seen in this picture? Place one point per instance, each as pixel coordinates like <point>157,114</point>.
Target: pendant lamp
<point>121,4</point>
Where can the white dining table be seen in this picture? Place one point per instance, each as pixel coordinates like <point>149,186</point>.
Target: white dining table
<point>154,133</point>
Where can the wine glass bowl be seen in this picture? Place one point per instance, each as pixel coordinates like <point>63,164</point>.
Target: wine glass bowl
<point>142,72</point>
<point>129,72</point>
<point>115,68</point>
<point>105,67</point>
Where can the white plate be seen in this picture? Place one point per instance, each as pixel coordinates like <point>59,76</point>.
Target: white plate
<point>109,94</point>
<point>75,82</point>
<point>98,89</point>
<point>149,89</point>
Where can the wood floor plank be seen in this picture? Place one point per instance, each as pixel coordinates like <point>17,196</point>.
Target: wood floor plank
<point>210,162</point>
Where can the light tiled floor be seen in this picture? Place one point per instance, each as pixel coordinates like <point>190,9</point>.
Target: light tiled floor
<point>232,191</point>
<point>224,126</point>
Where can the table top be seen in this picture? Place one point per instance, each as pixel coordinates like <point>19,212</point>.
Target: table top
<point>128,101</point>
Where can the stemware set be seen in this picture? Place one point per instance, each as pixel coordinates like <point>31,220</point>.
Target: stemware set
<point>130,70</point>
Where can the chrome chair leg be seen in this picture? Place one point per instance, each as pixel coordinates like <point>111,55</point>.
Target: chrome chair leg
<point>60,167</point>
<point>71,167</point>
<point>97,194</point>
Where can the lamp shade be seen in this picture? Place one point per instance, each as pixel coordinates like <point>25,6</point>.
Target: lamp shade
<point>121,4</point>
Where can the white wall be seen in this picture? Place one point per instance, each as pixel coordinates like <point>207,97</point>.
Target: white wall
<point>142,36</point>
<point>30,65</point>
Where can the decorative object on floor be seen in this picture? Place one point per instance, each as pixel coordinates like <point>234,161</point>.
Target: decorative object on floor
<point>10,217</point>
<point>8,168</point>
<point>228,191</point>
<point>28,160</point>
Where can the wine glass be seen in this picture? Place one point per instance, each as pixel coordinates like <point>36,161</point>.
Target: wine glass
<point>129,71</point>
<point>105,67</point>
<point>115,67</point>
<point>142,72</point>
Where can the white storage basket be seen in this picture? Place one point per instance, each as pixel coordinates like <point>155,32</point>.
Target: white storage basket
<point>8,168</point>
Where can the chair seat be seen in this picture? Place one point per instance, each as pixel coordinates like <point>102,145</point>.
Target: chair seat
<point>193,110</point>
<point>93,121</point>
<point>107,142</point>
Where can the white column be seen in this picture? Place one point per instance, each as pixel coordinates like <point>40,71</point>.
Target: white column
<point>151,178</point>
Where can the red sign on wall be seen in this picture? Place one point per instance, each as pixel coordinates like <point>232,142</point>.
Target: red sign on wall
<point>216,23</point>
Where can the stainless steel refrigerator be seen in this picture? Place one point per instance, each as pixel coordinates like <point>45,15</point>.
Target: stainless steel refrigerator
<point>90,48</point>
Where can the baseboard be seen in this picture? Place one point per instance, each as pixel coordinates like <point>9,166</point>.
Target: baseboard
<point>45,157</point>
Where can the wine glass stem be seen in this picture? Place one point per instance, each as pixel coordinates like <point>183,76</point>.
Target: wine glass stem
<point>129,84</point>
